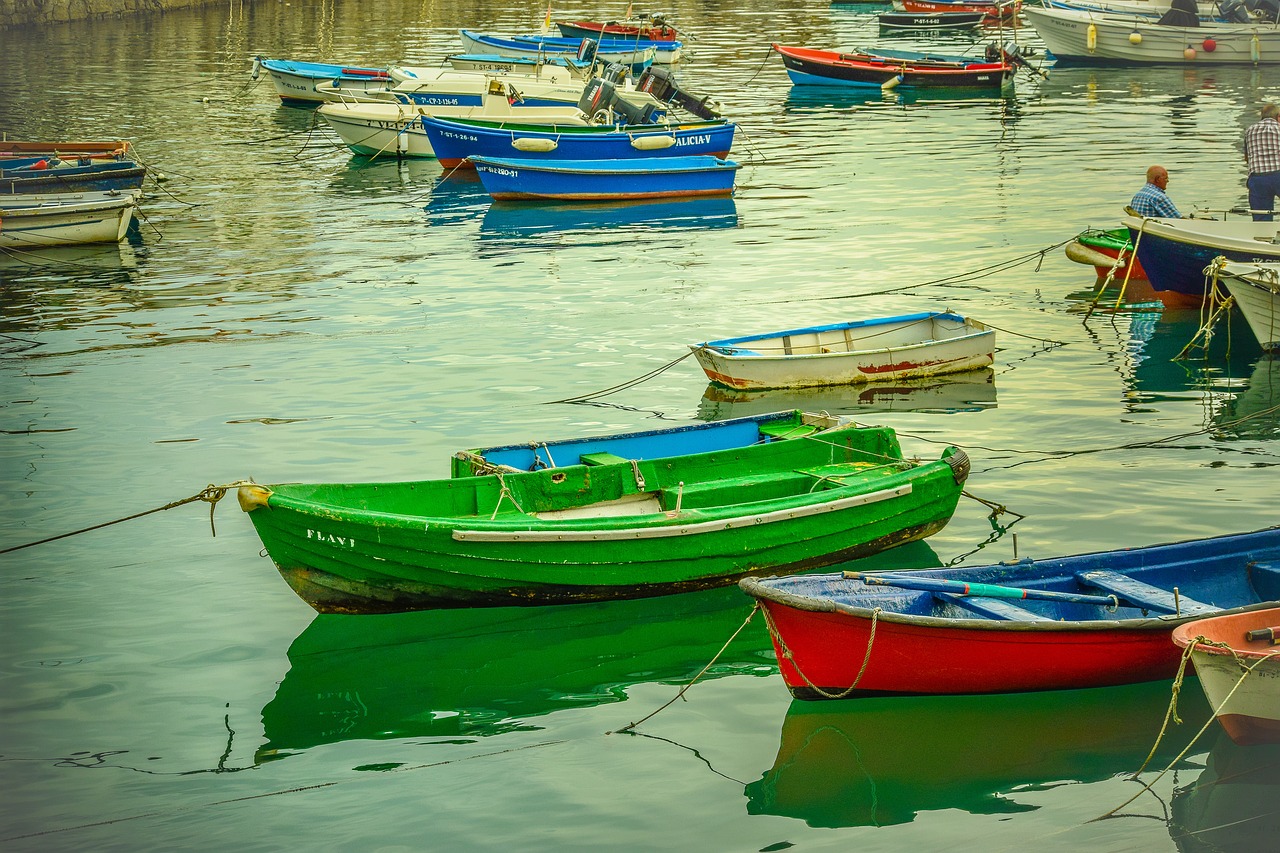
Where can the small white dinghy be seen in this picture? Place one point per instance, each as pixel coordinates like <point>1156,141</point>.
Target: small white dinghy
<point>1256,289</point>
<point>38,220</point>
<point>879,350</point>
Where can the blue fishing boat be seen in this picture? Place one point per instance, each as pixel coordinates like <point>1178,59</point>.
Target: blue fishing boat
<point>701,437</point>
<point>604,180</point>
<point>52,175</point>
<point>295,82</point>
<point>1175,253</point>
<point>455,139</point>
<point>636,58</point>
<point>666,51</point>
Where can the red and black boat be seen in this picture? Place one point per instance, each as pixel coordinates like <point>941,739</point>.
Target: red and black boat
<point>886,69</point>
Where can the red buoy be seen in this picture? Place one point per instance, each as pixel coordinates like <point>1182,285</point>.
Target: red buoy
<point>1209,45</point>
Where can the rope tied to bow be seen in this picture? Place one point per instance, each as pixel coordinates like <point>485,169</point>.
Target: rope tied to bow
<point>210,494</point>
<point>790,656</point>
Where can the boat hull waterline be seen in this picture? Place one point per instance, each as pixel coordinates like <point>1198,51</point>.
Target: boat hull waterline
<point>628,529</point>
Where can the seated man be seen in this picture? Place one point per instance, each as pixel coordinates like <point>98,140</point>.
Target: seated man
<point>1151,199</point>
<point>1181,13</point>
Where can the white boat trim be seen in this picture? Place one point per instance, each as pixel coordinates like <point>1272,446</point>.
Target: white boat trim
<point>631,533</point>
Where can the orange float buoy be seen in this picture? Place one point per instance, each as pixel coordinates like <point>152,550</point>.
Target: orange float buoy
<point>1189,53</point>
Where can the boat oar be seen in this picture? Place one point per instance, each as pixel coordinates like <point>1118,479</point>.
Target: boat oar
<point>1272,634</point>
<point>985,590</point>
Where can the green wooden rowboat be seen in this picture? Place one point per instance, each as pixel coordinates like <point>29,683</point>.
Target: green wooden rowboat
<point>617,530</point>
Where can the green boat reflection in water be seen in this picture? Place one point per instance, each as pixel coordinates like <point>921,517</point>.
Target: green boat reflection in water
<point>488,671</point>
<point>880,762</point>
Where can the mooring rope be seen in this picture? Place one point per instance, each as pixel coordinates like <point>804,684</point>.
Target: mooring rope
<point>1172,713</point>
<point>701,673</point>
<point>958,278</point>
<point>790,656</point>
<point>582,398</point>
<point>210,494</point>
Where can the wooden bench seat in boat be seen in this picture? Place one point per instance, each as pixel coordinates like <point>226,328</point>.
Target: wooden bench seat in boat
<point>1144,595</point>
<point>990,608</point>
<point>602,458</point>
<point>788,430</point>
<point>1265,577</point>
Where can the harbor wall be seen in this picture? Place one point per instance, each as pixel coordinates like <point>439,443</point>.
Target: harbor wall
<point>23,13</point>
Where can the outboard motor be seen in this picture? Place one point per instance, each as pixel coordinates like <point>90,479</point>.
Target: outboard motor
<point>615,73</point>
<point>597,96</point>
<point>587,50</point>
<point>1267,10</point>
<point>661,83</point>
<point>631,113</point>
<point>1235,11</point>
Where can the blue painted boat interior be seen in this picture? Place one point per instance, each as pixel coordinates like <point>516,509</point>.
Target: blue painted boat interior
<point>1223,572</point>
<point>650,444</point>
<point>854,324</point>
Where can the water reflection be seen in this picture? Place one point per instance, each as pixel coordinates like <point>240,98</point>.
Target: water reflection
<point>410,178</point>
<point>972,391</point>
<point>814,98</point>
<point>1234,805</point>
<point>1253,412</point>
<point>532,219</point>
<point>486,671</point>
<point>481,671</point>
<point>880,762</point>
<point>34,277</point>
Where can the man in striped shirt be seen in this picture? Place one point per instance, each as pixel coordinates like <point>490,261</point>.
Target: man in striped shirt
<point>1151,199</point>
<point>1262,153</point>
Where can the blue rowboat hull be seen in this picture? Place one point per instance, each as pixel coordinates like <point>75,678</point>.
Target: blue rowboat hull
<point>626,53</point>
<point>597,180</point>
<point>454,141</point>
<point>1178,267</point>
<point>98,177</point>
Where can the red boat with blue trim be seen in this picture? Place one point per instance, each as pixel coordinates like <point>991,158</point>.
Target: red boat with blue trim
<point>1089,620</point>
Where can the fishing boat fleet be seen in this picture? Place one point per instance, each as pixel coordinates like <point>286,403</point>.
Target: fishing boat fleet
<point>597,114</point>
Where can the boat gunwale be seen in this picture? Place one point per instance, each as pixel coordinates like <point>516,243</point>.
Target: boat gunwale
<point>753,587</point>
<point>1168,229</point>
<point>637,167</point>
<point>525,523</point>
<point>661,531</point>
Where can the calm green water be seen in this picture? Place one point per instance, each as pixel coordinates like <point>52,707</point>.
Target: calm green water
<point>288,313</point>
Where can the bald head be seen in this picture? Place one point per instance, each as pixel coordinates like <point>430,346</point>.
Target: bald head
<point>1270,111</point>
<point>1157,175</point>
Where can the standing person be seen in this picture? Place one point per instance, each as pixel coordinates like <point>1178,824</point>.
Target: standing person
<point>1151,199</point>
<point>1262,153</point>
